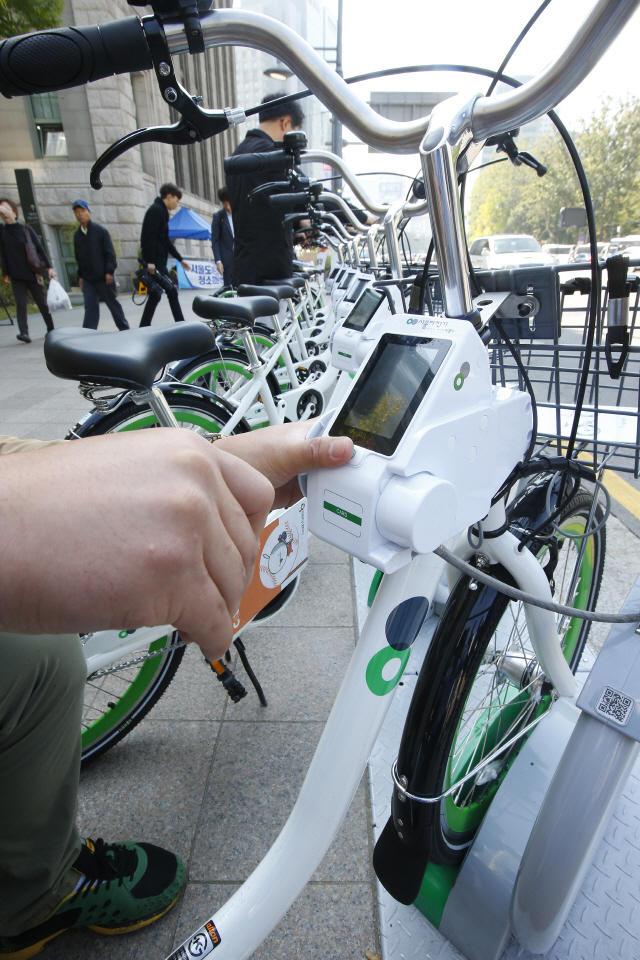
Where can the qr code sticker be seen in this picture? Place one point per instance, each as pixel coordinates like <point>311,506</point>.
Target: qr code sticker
<point>615,706</point>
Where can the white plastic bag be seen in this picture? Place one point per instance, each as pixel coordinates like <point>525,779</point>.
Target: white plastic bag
<point>57,298</point>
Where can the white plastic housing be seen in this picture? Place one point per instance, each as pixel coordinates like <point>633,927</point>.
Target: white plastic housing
<point>466,437</point>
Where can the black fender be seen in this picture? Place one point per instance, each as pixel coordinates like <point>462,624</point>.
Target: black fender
<point>402,852</point>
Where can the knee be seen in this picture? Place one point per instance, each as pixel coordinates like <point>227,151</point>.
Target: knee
<point>39,669</point>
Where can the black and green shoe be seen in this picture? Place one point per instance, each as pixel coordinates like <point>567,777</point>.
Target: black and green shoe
<point>122,887</point>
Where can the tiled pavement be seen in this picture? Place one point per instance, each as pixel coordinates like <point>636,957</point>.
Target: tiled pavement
<point>210,779</point>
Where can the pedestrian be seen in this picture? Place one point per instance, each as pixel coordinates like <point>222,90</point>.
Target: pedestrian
<point>262,248</point>
<point>156,247</point>
<point>23,261</point>
<point>97,264</point>
<point>222,237</point>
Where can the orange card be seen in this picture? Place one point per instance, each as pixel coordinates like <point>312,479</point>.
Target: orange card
<point>282,556</point>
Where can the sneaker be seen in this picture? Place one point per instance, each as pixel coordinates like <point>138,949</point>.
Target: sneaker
<point>121,887</point>
<point>24,337</point>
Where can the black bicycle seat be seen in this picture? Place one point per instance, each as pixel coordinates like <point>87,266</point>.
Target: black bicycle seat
<point>281,291</point>
<point>246,309</point>
<point>297,282</point>
<point>128,359</point>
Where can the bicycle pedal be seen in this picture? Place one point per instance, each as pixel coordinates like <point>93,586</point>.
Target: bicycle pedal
<point>230,682</point>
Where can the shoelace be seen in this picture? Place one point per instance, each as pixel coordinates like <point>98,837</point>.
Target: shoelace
<point>109,862</point>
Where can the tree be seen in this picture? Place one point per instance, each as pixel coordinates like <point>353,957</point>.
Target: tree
<point>21,16</point>
<point>508,199</point>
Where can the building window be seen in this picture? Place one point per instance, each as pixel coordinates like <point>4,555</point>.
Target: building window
<point>48,121</point>
<point>64,236</point>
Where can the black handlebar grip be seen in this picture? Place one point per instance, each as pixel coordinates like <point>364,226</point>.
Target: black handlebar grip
<point>71,56</point>
<point>287,201</point>
<point>255,162</point>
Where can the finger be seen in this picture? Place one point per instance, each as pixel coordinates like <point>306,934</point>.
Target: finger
<point>207,623</point>
<point>253,492</point>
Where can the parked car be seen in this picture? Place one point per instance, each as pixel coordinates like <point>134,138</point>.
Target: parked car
<point>630,246</point>
<point>582,252</point>
<point>561,251</point>
<point>506,250</point>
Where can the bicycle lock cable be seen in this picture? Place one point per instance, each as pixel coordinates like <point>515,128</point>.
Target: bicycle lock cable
<point>516,594</point>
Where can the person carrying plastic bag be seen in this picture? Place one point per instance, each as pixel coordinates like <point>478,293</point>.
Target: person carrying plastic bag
<point>23,262</point>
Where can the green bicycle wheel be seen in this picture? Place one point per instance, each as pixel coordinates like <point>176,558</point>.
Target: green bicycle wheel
<point>502,690</point>
<point>118,699</point>
<point>226,370</point>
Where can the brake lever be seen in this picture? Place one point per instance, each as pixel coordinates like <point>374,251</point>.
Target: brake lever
<point>197,123</point>
<point>276,186</point>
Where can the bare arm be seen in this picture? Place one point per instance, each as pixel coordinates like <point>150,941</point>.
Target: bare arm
<point>131,530</point>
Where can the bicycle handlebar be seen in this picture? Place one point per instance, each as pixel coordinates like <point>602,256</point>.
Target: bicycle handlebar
<point>256,162</point>
<point>491,115</point>
<point>285,201</point>
<point>71,56</point>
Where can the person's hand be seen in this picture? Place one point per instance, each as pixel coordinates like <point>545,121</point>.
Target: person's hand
<point>80,282</point>
<point>220,267</point>
<point>281,452</point>
<point>186,264</point>
<point>151,267</point>
<point>7,279</point>
<point>52,274</point>
<point>108,278</point>
<point>127,530</point>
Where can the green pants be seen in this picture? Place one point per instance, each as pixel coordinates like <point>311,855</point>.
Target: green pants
<point>42,683</point>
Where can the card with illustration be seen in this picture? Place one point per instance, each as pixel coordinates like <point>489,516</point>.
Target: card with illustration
<point>282,556</point>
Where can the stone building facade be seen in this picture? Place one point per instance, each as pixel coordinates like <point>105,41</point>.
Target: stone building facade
<point>59,137</point>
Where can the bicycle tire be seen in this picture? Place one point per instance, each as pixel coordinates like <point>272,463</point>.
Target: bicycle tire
<point>461,710</point>
<point>219,370</point>
<point>138,690</point>
<point>134,690</point>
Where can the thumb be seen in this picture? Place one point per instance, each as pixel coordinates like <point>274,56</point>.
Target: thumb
<point>327,452</point>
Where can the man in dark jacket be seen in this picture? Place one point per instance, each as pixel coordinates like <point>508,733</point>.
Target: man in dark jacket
<point>262,248</point>
<point>222,236</point>
<point>156,247</point>
<point>97,264</point>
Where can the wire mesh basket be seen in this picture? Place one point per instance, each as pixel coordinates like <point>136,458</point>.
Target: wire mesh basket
<point>609,428</point>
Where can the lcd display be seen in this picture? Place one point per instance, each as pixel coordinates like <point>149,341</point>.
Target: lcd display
<point>362,313</point>
<point>333,273</point>
<point>394,382</point>
<point>344,283</point>
<point>355,290</point>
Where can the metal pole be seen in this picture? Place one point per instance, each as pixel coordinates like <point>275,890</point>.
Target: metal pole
<point>336,131</point>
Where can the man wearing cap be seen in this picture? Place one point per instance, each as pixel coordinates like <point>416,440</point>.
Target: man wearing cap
<point>97,264</point>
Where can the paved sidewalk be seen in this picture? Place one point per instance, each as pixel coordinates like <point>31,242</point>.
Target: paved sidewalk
<point>213,780</point>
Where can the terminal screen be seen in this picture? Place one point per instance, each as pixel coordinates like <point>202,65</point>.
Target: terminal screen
<point>361,315</point>
<point>355,290</point>
<point>333,273</point>
<point>346,279</point>
<point>393,384</point>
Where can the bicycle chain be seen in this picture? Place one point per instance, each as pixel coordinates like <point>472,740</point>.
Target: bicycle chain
<point>131,663</point>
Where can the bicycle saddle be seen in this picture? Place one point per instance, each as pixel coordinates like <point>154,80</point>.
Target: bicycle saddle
<point>297,282</point>
<point>129,359</point>
<point>280,291</point>
<point>246,309</point>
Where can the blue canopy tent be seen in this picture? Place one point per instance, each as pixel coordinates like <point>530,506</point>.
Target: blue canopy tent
<point>189,225</point>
